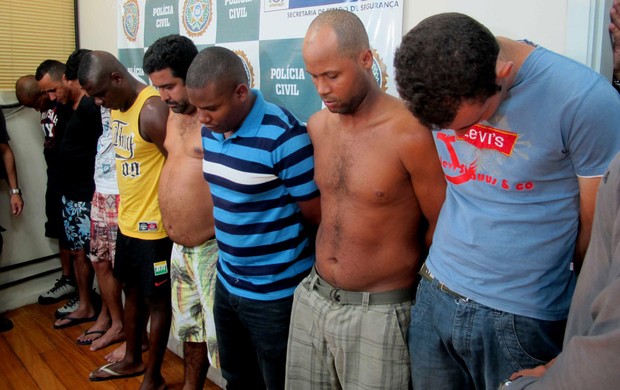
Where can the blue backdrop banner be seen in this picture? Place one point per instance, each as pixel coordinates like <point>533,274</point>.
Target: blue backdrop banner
<point>266,34</point>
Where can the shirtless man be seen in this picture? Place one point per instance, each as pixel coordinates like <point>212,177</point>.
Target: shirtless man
<point>143,248</point>
<point>186,208</point>
<point>381,191</point>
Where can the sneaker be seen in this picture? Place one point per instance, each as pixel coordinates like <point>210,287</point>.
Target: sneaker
<point>69,307</point>
<point>5,324</point>
<point>61,290</point>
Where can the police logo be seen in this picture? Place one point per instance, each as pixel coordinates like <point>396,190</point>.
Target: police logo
<point>249,70</point>
<point>131,19</point>
<point>379,70</point>
<point>276,5</point>
<point>197,16</point>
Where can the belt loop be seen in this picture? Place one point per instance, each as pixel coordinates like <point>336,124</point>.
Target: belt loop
<point>365,301</point>
<point>315,278</point>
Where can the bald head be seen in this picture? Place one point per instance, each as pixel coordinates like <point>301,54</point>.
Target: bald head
<point>349,30</point>
<point>28,92</point>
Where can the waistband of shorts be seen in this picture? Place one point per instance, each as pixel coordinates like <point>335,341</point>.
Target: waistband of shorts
<point>345,297</point>
<point>428,275</point>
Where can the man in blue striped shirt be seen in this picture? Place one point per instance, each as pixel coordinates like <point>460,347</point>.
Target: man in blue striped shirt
<point>260,167</point>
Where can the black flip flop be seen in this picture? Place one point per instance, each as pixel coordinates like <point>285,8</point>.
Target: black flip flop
<point>74,321</point>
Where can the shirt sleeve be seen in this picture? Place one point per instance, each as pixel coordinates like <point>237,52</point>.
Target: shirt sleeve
<point>4,135</point>
<point>593,135</point>
<point>294,163</point>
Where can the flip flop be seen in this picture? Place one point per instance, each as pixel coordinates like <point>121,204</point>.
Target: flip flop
<point>75,321</point>
<point>89,342</point>
<point>112,374</point>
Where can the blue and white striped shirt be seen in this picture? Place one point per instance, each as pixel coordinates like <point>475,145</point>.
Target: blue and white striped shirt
<point>256,177</point>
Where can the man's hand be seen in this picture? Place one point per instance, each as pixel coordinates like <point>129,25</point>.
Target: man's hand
<point>17,204</point>
<point>536,371</point>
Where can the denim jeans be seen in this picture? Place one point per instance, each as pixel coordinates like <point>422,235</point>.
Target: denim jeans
<point>252,338</point>
<point>460,344</point>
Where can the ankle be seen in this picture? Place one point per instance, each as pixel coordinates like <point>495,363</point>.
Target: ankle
<point>69,280</point>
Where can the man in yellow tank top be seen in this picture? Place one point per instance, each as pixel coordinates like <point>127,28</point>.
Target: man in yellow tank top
<point>142,262</point>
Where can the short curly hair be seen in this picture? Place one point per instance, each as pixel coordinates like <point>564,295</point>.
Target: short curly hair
<point>173,51</point>
<point>444,60</point>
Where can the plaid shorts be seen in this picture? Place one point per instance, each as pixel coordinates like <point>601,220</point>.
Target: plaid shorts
<point>103,227</point>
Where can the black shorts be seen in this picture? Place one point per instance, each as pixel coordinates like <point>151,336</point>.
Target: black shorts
<point>55,226</point>
<point>145,263</point>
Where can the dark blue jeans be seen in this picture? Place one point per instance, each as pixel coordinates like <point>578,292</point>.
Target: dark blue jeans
<point>460,344</point>
<point>252,338</point>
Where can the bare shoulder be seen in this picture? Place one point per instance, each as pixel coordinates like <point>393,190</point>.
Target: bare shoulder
<point>413,141</point>
<point>403,125</point>
<point>318,121</point>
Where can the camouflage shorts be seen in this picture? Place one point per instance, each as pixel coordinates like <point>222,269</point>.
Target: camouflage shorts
<point>193,274</point>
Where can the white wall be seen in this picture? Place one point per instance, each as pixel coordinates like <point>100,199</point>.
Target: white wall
<point>515,19</point>
<point>575,28</point>
<point>97,24</point>
<point>25,238</point>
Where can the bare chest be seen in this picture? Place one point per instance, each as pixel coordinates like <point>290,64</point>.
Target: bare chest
<point>365,169</point>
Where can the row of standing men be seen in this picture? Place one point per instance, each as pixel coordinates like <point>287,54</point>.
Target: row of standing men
<point>316,291</point>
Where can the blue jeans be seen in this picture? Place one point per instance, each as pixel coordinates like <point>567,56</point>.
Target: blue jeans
<point>252,337</point>
<point>460,344</point>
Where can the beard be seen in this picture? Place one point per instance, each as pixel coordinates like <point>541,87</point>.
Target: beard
<point>177,107</point>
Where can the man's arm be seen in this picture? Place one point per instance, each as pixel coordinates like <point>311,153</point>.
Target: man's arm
<point>588,188</point>
<point>427,177</point>
<point>17,203</point>
<point>311,206</point>
<point>311,210</point>
<point>153,121</point>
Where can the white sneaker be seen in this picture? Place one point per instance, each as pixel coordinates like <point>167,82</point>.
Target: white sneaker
<point>69,307</point>
<point>61,290</point>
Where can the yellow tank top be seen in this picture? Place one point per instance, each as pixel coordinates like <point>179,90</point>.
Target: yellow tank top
<point>138,165</point>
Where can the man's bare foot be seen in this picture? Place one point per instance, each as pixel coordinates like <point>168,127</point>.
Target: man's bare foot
<point>119,353</point>
<point>89,336</point>
<point>96,331</point>
<point>112,336</point>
